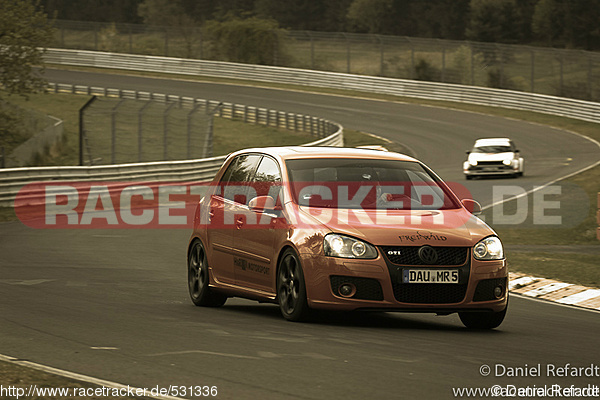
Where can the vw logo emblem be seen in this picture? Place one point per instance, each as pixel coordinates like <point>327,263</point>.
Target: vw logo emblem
<point>428,255</point>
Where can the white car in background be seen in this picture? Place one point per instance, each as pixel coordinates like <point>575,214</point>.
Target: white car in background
<point>493,156</point>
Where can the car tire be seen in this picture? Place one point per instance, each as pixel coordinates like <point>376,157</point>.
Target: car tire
<point>198,279</point>
<point>483,320</point>
<point>291,288</point>
<point>468,177</point>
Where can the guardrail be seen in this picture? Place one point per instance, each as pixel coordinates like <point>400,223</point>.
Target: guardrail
<point>200,170</point>
<point>578,109</point>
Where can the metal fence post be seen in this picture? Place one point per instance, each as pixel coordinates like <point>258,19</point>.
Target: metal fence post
<point>189,129</point>
<point>443,77</point>
<point>312,51</point>
<point>532,71</point>
<point>276,49</point>
<point>166,42</point>
<point>113,131</point>
<point>560,58</point>
<point>412,57</point>
<point>166,131</point>
<point>95,37</point>
<point>82,127</point>
<point>472,63</point>
<point>347,52</point>
<point>130,39</point>
<point>590,76</point>
<point>141,129</point>
<point>200,46</point>
<point>208,141</point>
<point>381,56</point>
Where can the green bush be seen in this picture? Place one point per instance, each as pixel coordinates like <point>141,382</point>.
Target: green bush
<point>252,40</point>
<point>425,71</point>
<point>13,126</point>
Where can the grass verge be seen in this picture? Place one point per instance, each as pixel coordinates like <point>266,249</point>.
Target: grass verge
<point>571,267</point>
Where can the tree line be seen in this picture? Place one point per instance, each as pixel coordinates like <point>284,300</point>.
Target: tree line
<point>556,23</point>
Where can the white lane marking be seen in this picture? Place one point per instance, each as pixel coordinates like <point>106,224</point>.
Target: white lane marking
<point>553,303</point>
<point>103,348</point>
<point>109,236</point>
<point>28,282</point>
<point>520,282</point>
<point>78,377</point>
<point>210,353</point>
<point>581,296</point>
<point>543,290</point>
<point>315,356</point>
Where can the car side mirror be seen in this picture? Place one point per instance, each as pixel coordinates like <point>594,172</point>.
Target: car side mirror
<point>517,151</point>
<point>468,152</point>
<point>262,203</point>
<point>472,206</point>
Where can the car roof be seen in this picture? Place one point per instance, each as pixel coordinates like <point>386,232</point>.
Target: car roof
<point>492,141</point>
<point>300,152</point>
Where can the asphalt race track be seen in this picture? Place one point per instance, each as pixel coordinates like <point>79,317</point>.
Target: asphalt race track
<point>113,304</point>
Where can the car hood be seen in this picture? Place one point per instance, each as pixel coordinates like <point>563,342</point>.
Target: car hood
<point>491,156</point>
<point>402,227</point>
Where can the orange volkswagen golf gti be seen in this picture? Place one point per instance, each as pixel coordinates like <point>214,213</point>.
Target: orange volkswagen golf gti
<point>344,229</point>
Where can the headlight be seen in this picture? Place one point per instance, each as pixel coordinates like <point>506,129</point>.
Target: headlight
<point>506,161</point>
<point>473,163</point>
<point>489,248</point>
<point>346,247</point>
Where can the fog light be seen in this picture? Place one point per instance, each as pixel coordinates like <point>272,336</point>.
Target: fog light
<point>498,291</point>
<point>347,290</point>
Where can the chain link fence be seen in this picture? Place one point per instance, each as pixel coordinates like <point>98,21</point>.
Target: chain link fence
<point>117,130</point>
<point>567,73</point>
<point>126,126</point>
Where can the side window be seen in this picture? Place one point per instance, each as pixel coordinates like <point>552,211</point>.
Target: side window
<point>235,179</point>
<point>267,176</point>
<point>227,174</point>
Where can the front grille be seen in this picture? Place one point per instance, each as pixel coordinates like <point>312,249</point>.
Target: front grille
<point>409,255</point>
<point>485,289</point>
<point>430,293</point>
<point>366,288</point>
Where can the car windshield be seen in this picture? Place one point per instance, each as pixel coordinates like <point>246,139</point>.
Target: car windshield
<point>367,184</point>
<point>492,149</point>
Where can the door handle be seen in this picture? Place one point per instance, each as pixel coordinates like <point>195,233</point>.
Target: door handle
<point>239,223</point>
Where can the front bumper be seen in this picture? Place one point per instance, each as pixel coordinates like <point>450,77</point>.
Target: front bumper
<point>494,169</point>
<point>378,285</point>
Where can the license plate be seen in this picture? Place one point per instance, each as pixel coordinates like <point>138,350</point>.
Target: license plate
<point>489,169</point>
<point>430,276</point>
